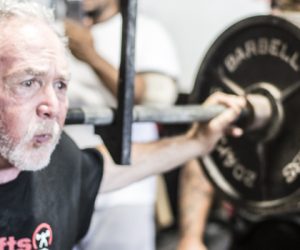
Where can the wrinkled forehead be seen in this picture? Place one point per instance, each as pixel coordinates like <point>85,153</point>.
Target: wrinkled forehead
<point>28,33</point>
<point>31,40</point>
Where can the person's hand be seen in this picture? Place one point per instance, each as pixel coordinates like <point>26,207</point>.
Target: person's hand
<point>81,42</point>
<point>209,133</point>
<point>189,243</point>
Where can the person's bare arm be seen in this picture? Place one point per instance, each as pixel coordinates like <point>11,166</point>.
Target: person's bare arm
<point>166,154</point>
<point>195,200</point>
<point>160,90</point>
<point>81,45</point>
<point>149,159</point>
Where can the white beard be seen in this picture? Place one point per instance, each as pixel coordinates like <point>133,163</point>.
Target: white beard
<point>23,155</point>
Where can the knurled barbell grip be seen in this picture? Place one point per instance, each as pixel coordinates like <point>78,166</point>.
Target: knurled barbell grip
<point>176,114</point>
<point>167,115</point>
<point>172,115</point>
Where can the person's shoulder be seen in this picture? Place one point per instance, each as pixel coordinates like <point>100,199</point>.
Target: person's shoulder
<point>148,27</point>
<point>147,21</point>
<point>68,149</point>
<point>66,153</point>
<point>93,156</point>
<point>66,145</point>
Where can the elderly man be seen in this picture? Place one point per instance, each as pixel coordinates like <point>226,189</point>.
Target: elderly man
<point>51,208</point>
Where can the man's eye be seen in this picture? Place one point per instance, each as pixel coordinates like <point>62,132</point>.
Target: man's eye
<point>27,83</point>
<point>31,83</point>
<point>61,85</point>
<point>26,87</point>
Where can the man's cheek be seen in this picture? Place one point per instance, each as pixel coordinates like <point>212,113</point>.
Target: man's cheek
<point>16,132</point>
<point>17,126</point>
<point>63,113</point>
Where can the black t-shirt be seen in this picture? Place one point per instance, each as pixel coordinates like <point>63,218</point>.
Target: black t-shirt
<point>51,208</point>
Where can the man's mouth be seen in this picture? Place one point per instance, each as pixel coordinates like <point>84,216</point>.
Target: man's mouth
<point>41,139</point>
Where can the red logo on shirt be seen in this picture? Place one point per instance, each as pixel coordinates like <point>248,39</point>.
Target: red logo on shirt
<point>41,240</point>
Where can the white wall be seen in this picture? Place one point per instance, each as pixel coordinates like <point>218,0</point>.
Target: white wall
<point>195,24</point>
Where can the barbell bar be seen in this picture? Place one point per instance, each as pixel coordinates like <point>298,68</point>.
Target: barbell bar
<point>179,114</point>
<point>260,55</point>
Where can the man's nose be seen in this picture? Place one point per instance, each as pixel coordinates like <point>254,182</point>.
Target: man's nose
<point>49,104</point>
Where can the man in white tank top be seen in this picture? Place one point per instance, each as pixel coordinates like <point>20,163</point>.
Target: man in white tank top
<point>122,215</point>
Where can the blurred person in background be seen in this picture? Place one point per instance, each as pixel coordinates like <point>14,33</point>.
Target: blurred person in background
<point>124,219</point>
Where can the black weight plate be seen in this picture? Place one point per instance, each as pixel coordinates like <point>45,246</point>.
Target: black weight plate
<point>257,175</point>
